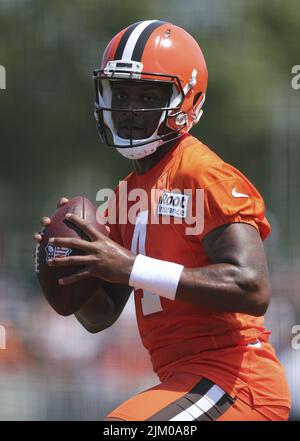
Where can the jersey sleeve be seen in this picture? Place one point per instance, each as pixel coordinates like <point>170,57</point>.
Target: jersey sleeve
<point>233,200</point>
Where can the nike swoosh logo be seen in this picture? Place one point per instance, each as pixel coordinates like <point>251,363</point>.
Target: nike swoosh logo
<point>235,194</point>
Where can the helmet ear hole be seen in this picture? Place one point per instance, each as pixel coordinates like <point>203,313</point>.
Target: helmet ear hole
<point>196,98</point>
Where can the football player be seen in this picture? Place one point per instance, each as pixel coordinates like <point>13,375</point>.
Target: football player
<point>200,297</point>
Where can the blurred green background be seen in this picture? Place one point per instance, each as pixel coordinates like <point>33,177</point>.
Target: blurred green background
<point>50,147</point>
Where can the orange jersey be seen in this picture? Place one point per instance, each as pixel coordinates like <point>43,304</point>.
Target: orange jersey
<point>179,335</point>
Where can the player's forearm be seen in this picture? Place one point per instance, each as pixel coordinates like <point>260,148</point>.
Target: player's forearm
<point>224,287</point>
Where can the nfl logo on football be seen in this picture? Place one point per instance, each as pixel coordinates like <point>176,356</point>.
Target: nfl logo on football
<point>53,252</point>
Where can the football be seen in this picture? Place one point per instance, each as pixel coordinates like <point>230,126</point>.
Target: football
<point>66,299</point>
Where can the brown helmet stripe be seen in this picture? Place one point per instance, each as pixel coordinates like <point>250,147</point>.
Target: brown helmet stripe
<point>142,40</point>
<point>134,40</point>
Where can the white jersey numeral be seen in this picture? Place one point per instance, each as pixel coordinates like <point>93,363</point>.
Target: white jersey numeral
<point>150,302</point>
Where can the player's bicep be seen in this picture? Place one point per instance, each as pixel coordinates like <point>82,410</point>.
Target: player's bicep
<point>239,244</point>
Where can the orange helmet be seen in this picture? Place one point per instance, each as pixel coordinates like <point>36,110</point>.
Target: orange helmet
<point>152,50</point>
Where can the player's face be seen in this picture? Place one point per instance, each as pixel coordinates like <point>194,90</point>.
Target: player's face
<point>130,95</point>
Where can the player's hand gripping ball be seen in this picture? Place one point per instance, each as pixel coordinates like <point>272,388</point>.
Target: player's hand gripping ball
<point>69,298</point>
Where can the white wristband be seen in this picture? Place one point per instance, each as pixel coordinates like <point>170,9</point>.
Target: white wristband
<point>156,276</point>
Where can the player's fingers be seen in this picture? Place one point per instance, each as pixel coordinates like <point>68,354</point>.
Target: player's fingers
<point>69,261</point>
<point>87,228</point>
<point>72,242</point>
<point>37,237</point>
<point>62,201</point>
<point>74,278</point>
<point>45,221</point>
<point>107,229</point>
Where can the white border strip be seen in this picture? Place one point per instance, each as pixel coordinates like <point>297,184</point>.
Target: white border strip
<point>201,406</point>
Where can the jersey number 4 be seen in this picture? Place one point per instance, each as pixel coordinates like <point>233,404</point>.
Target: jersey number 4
<point>150,302</point>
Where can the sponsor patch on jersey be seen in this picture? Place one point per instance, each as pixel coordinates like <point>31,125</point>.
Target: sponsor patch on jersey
<point>52,252</point>
<point>173,204</point>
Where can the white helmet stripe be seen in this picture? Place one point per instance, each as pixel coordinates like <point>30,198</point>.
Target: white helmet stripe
<point>132,40</point>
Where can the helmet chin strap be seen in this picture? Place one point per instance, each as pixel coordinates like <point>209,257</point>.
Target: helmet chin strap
<point>132,149</point>
<point>141,151</point>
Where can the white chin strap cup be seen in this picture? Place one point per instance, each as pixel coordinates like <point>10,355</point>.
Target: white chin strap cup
<point>140,151</point>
